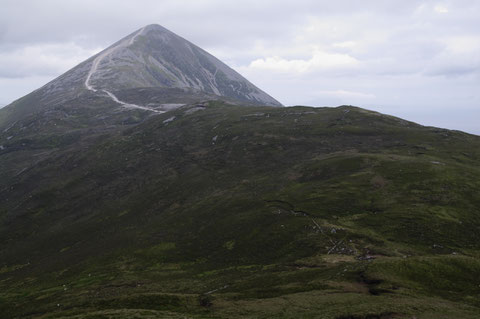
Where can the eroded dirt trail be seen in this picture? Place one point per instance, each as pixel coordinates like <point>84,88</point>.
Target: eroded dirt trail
<point>94,68</point>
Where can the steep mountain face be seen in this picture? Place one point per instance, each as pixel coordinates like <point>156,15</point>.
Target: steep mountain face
<point>156,57</point>
<point>151,57</point>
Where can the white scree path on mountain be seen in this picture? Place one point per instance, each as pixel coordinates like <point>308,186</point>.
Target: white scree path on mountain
<point>94,68</point>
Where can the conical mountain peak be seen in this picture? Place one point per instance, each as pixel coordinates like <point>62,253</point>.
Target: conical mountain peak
<point>155,27</point>
<point>154,57</point>
<point>151,57</point>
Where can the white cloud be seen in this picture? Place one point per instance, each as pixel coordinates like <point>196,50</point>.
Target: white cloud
<point>41,60</point>
<point>319,61</point>
<point>463,44</point>
<point>345,44</point>
<point>346,94</point>
<point>460,56</point>
<point>440,9</point>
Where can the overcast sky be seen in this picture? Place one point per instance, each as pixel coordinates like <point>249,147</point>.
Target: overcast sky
<point>419,60</point>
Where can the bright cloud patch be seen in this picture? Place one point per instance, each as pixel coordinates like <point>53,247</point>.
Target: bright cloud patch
<point>319,61</point>
<point>463,44</point>
<point>346,94</point>
<point>345,44</point>
<point>459,57</point>
<point>441,9</point>
<point>41,60</point>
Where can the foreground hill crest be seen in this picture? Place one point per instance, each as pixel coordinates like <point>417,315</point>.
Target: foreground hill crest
<point>217,211</point>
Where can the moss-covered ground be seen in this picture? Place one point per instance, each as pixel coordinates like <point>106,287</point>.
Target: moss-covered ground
<point>216,211</point>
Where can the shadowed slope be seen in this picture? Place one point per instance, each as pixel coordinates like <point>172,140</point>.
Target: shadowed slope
<point>216,211</point>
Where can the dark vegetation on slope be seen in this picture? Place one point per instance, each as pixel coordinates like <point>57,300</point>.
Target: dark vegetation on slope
<point>224,211</point>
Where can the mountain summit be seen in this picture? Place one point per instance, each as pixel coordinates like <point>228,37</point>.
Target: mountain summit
<point>154,57</point>
<point>151,69</point>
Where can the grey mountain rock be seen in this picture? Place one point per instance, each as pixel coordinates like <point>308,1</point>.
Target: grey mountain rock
<point>156,57</point>
<point>149,58</point>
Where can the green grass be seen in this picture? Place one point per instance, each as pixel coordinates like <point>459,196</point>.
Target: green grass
<point>243,212</point>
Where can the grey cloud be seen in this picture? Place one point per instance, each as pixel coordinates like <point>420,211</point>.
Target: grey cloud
<point>453,70</point>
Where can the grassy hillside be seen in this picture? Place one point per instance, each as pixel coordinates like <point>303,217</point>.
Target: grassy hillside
<point>215,211</point>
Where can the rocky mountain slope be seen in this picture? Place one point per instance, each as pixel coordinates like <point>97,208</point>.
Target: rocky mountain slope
<point>151,57</point>
<point>156,57</point>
